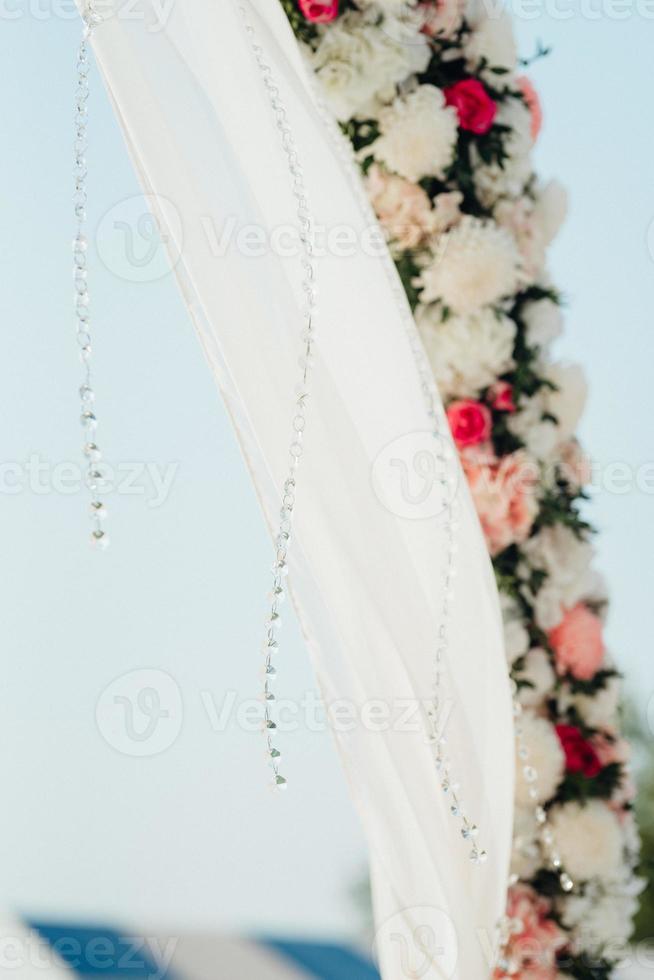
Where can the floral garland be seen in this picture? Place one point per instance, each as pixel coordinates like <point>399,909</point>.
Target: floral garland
<point>443,127</point>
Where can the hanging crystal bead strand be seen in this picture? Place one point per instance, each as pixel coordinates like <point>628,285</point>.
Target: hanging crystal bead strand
<point>93,475</point>
<point>530,774</point>
<point>446,460</point>
<point>552,859</point>
<point>283,537</point>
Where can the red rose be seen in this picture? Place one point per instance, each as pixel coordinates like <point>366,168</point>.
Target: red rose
<point>580,756</point>
<point>474,106</point>
<point>470,422</point>
<point>500,396</point>
<point>319,11</point>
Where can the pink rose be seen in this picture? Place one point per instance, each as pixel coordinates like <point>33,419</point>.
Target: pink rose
<point>537,939</point>
<point>319,11</point>
<point>577,643</point>
<point>500,396</point>
<point>505,495</point>
<point>474,106</point>
<point>533,104</point>
<point>470,422</point>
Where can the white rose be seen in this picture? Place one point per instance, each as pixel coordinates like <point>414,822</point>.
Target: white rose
<point>469,353</point>
<point>543,321</point>
<point>540,434</point>
<point>418,134</point>
<point>588,839</point>
<point>539,672</point>
<point>476,264</point>
<point>566,561</point>
<point>357,63</point>
<point>545,756</point>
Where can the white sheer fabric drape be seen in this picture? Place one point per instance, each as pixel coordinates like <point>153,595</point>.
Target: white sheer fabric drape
<point>366,582</point>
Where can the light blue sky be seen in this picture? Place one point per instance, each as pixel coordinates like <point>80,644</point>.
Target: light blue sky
<point>191,836</point>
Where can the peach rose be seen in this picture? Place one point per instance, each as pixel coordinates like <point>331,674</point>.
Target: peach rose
<point>403,208</point>
<point>577,643</point>
<point>533,104</point>
<point>505,495</point>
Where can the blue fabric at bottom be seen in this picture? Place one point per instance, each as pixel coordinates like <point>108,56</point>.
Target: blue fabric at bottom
<point>325,961</point>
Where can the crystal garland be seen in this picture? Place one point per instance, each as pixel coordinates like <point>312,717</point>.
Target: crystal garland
<point>306,360</point>
<point>93,476</point>
<point>443,453</point>
<point>528,771</point>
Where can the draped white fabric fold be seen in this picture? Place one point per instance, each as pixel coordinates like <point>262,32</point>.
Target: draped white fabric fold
<point>366,581</point>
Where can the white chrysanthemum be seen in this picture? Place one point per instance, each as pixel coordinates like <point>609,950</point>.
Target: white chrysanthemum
<point>516,637</point>
<point>543,321</point>
<point>492,41</point>
<point>418,134</point>
<point>545,756</point>
<point>358,63</point>
<point>599,919</point>
<point>526,856</point>
<point>566,561</point>
<point>600,710</point>
<point>588,839</point>
<point>493,181</point>
<point>475,265</point>
<point>538,671</point>
<point>469,353</point>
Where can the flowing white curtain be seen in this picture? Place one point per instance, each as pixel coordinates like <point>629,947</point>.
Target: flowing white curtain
<point>366,580</point>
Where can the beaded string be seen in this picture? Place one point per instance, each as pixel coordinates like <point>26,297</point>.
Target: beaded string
<point>446,463</point>
<point>93,475</point>
<point>306,361</point>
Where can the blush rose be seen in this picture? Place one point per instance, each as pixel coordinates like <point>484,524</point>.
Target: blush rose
<point>577,643</point>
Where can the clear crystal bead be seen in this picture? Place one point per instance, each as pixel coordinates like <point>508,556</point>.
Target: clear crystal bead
<point>99,540</point>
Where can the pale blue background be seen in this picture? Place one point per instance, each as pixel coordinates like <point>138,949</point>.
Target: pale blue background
<point>191,837</point>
